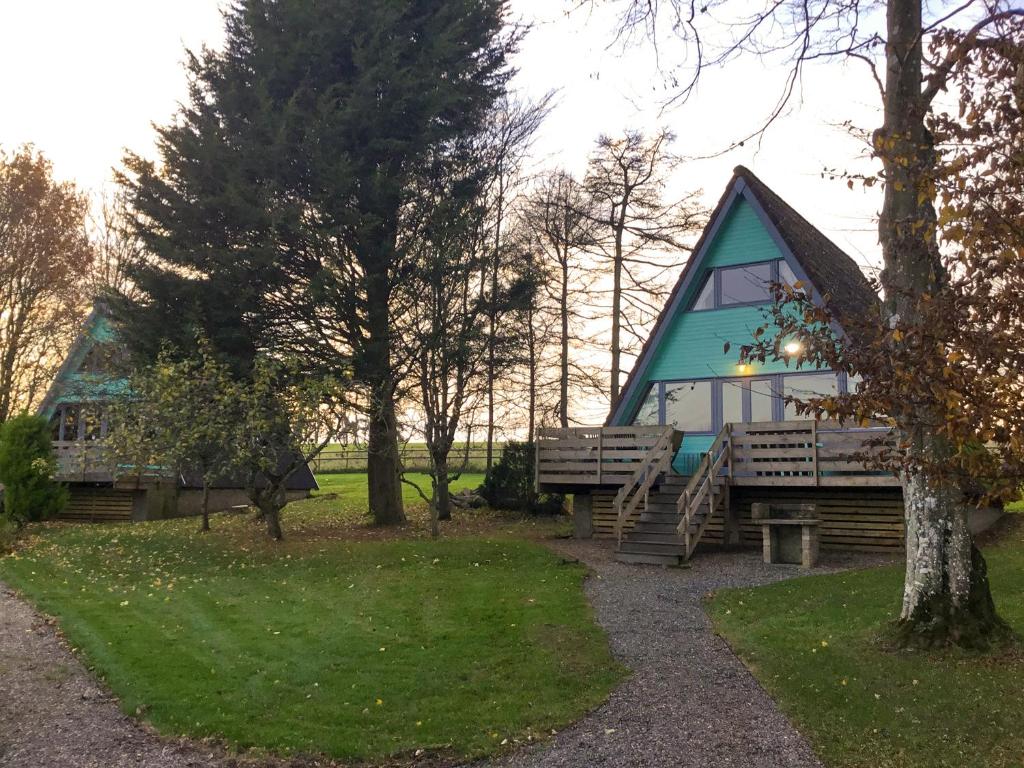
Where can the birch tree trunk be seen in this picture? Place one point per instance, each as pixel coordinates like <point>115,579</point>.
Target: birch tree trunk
<point>946,597</point>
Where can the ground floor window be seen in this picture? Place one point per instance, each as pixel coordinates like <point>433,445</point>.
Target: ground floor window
<point>688,405</point>
<point>703,406</point>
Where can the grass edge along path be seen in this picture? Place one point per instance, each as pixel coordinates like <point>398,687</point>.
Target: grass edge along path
<point>361,651</point>
<point>813,644</point>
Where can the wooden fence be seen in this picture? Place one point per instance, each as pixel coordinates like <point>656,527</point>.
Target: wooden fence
<point>353,459</point>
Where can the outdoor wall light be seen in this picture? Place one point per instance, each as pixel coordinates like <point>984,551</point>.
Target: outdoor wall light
<point>793,348</point>
<point>743,369</point>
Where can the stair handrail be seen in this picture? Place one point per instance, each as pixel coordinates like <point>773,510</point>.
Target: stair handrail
<point>702,484</point>
<point>657,460</point>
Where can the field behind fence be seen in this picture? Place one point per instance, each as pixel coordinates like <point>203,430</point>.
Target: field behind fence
<point>352,458</point>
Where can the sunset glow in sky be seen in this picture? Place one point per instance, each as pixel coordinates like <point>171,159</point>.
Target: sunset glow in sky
<point>85,80</point>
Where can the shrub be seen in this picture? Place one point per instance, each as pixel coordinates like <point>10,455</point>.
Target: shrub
<point>26,467</point>
<point>509,483</point>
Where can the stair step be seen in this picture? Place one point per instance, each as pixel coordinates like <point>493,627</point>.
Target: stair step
<point>661,539</point>
<point>642,526</point>
<point>651,548</point>
<point>662,506</point>
<point>644,559</point>
<point>658,517</point>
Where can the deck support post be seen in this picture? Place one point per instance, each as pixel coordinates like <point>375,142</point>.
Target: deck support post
<point>732,536</point>
<point>583,516</point>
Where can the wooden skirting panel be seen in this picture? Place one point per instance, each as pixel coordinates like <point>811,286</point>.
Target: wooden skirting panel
<point>862,519</point>
<point>604,515</point>
<point>103,504</point>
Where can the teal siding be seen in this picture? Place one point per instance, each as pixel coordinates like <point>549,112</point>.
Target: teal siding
<point>694,344</point>
<point>742,239</point>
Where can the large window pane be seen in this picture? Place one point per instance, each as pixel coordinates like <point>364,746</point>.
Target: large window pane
<point>706,298</point>
<point>647,416</point>
<point>732,401</point>
<point>806,387</point>
<point>688,405</point>
<point>761,399</point>
<point>746,284</point>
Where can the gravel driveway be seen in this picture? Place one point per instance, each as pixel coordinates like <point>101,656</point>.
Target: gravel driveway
<point>688,702</point>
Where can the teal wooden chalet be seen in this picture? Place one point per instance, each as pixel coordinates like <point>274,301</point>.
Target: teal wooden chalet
<point>76,404</point>
<point>695,439</point>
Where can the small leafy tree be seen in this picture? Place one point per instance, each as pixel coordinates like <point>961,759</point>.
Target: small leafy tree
<point>286,420</point>
<point>27,465</point>
<point>178,417</point>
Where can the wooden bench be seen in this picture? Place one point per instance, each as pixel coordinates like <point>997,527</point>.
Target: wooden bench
<point>789,533</point>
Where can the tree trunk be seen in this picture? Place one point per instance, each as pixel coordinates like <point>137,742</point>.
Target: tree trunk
<point>563,394</point>
<point>946,595</point>
<point>272,516</point>
<point>383,462</point>
<point>532,375</point>
<point>442,502</point>
<point>206,505</point>
<point>492,316</point>
<point>617,309</point>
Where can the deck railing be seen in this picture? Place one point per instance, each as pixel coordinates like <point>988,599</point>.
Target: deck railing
<point>808,453</point>
<point>83,460</point>
<point>592,456</point>
<point>657,462</point>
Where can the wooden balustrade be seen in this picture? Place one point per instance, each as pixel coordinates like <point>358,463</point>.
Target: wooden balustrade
<point>657,462</point>
<point>582,457</point>
<point>808,453</point>
<point>82,460</point>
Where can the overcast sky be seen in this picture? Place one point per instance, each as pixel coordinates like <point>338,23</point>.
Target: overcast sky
<point>84,80</point>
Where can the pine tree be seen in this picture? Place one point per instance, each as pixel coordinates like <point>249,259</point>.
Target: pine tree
<point>285,203</point>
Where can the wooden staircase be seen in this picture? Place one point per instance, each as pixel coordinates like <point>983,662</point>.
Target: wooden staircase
<point>654,537</point>
<point>678,508</point>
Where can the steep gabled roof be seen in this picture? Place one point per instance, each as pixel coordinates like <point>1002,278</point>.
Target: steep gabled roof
<point>836,278</point>
<point>832,272</point>
<point>86,339</point>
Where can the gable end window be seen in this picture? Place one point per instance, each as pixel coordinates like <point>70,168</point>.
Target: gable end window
<point>741,285</point>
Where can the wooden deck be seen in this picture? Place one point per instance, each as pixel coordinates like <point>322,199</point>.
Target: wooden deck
<point>658,515</point>
<point>768,453</point>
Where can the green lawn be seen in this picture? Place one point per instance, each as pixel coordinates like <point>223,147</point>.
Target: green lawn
<point>352,487</point>
<point>356,649</point>
<point>812,644</point>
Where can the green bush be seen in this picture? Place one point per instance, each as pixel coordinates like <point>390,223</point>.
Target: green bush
<point>26,468</point>
<point>509,483</point>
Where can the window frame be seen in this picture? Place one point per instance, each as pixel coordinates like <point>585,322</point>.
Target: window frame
<point>715,274</point>
<point>777,384</point>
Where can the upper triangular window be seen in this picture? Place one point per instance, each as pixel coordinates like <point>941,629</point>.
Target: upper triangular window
<point>706,298</point>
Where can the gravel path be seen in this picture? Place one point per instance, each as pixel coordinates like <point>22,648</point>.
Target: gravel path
<point>53,714</point>
<point>688,702</point>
